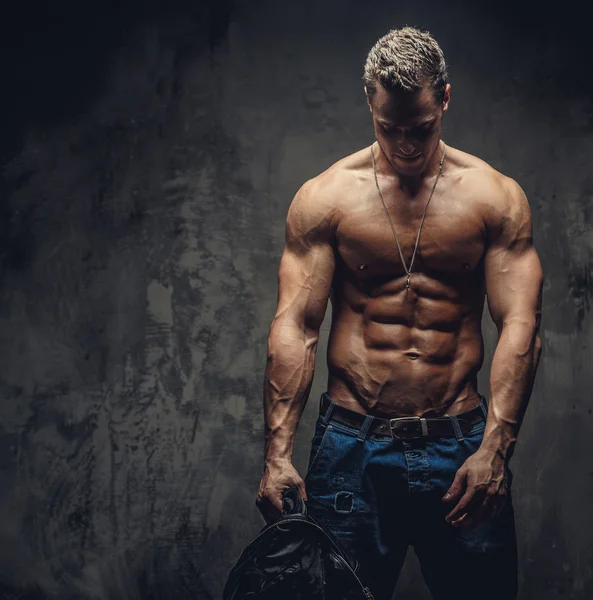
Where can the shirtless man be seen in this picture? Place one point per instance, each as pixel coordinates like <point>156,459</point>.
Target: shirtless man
<point>406,451</point>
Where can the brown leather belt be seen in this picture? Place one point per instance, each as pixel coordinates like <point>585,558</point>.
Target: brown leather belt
<point>407,427</point>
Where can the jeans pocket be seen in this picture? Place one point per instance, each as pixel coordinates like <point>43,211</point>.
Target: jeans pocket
<point>318,444</point>
<point>478,428</point>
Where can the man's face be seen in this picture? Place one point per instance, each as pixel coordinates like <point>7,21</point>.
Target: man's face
<point>408,126</point>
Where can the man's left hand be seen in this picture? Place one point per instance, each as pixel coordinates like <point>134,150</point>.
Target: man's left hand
<point>481,487</point>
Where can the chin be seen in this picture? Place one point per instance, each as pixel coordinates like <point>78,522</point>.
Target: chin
<point>412,168</point>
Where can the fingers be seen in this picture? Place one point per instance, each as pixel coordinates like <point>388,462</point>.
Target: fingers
<point>302,490</point>
<point>269,499</point>
<point>269,509</point>
<point>481,512</point>
<point>472,498</point>
<point>490,512</point>
<point>461,507</point>
<point>269,505</point>
<point>496,506</point>
<point>457,487</point>
<point>479,494</point>
<point>461,521</point>
<point>474,515</point>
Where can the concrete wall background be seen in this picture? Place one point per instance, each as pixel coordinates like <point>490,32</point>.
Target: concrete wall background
<point>150,153</point>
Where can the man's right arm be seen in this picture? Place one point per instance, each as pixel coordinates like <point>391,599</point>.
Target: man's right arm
<point>304,282</point>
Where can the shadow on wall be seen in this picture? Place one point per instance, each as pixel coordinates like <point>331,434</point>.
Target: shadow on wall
<point>54,64</point>
<point>167,570</point>
<point>56,55</point>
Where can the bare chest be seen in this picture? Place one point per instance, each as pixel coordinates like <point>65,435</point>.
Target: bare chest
<point>451,240</point>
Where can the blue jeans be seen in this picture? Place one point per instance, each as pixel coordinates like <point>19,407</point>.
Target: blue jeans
<point>379,495</point>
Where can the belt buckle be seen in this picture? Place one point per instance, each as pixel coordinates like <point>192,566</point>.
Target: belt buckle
<point>391,424</point>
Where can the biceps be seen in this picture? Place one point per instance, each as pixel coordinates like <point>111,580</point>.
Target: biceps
<point>514,286</point>
<point>304,283</point>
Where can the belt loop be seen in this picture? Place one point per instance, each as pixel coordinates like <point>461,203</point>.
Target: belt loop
<point>362,434</point>
<point>329,411</point>
<point>484,406</point>
<point>456,427</point>
<point>424,426</point>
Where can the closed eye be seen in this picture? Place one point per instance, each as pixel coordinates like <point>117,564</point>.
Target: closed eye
<point>425,127</point>
<point>421,129</point>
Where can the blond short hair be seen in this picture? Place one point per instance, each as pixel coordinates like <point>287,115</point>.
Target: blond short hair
<point>406,59</point>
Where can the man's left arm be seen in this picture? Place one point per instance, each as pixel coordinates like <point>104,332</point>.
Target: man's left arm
<point>514,281</point>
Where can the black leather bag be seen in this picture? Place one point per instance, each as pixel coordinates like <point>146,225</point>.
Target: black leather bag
<point>295,558</point>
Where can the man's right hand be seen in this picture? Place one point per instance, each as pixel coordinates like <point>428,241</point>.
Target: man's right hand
<point>278,476</point>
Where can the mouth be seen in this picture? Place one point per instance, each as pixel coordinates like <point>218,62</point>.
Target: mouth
<point>408,158</point>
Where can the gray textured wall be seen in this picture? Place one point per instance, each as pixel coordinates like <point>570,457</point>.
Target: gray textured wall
<point>151,153</point>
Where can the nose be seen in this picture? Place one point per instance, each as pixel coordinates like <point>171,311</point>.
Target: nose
<point>406,146</point>
<point>407,149</point>
<point>405,142</point>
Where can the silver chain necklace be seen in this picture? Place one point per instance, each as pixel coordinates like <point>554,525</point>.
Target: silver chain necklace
<point>408,271</point>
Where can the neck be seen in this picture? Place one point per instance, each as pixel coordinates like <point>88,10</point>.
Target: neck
<point>410,183</point>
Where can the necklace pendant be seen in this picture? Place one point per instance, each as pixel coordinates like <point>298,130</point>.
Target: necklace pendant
<point>408,282</point>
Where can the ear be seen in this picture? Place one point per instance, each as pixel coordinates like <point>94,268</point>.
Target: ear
<point>446,97</point>
<point>368,98</point>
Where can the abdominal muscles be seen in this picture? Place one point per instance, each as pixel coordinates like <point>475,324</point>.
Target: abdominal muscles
<point>405,353</point>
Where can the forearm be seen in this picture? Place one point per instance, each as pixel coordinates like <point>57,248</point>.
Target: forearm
<point>512,375</point>
<point>288,378</point>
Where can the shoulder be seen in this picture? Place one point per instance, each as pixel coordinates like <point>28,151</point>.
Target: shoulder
<point>501,200</point>
<point>317,205</point>
<point>332,183</point>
